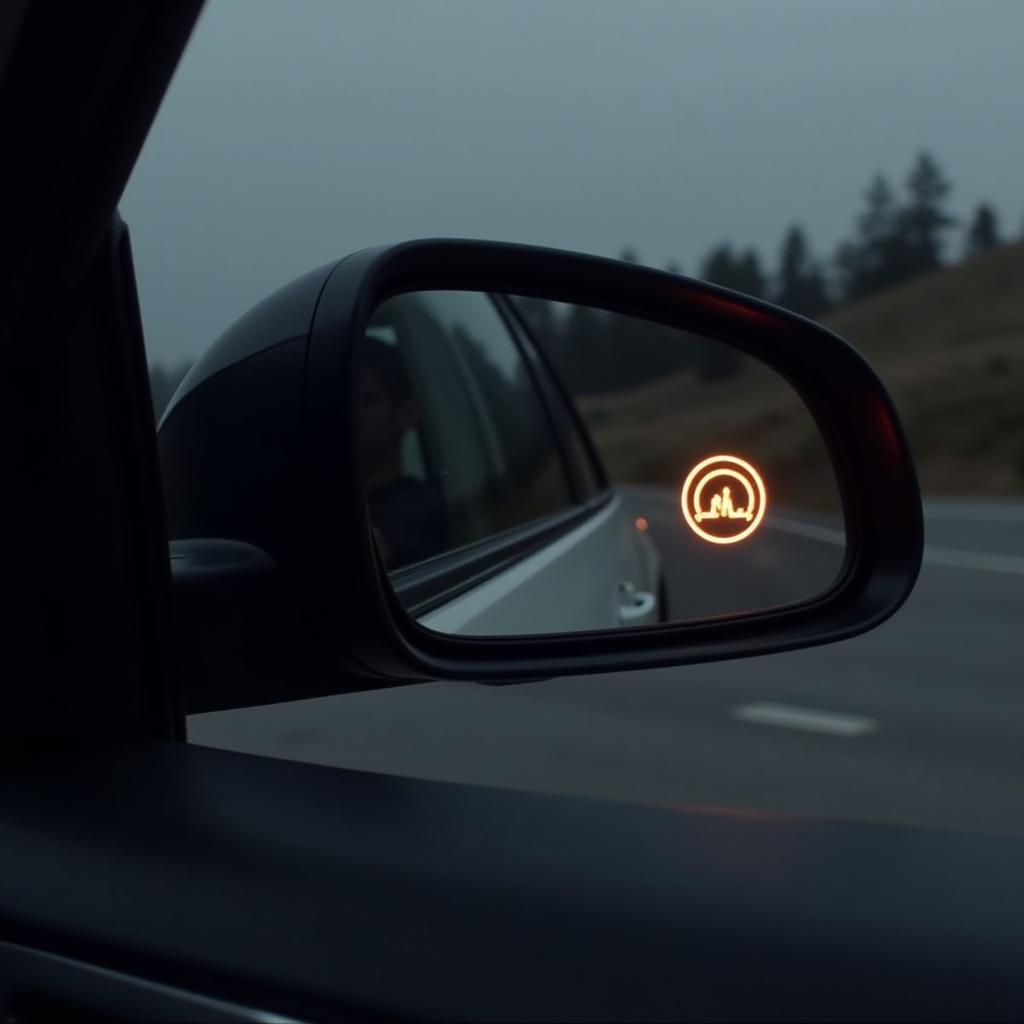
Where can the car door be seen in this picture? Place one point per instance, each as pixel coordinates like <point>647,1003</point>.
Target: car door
<point>522,538</point>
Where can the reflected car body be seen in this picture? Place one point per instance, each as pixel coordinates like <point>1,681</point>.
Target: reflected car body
<point>601,573</point>
<point>537,539</point>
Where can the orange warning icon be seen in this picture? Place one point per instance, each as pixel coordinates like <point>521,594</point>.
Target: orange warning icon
<point>723,499</point>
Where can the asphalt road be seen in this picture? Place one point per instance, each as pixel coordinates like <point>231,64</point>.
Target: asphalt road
<point>920,722</point>
<point>791,557</point>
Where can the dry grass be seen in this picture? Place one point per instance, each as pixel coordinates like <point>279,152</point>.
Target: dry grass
<point>950,347</point>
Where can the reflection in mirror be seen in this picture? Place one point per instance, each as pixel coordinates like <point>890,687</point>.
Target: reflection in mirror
<point>535,468</point>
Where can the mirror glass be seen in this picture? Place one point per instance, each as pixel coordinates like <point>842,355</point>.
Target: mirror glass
<point>532,467</point>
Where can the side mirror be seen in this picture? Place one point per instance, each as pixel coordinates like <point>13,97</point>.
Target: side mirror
<point>377,476</point>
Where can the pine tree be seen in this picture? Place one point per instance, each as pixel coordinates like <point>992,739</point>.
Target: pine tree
<point>924,222</point>
<point>719,266</point>
<point>983,233</point>
<point>800,283</point>
<point>875,258</point>
<point>750,278</point>
<point>739,271</point>
<point>879,228</point>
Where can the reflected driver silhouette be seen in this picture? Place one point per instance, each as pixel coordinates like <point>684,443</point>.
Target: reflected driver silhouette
<point>406,513</point>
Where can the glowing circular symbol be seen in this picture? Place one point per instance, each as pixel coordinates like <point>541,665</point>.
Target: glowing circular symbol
<point>723,499</point>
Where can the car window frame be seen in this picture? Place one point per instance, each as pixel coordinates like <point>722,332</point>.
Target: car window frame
<point>559,398</point>
<point>428,584</point>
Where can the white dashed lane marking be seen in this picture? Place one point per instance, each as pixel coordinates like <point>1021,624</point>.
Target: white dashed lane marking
<point>786,716</point>
<point>947,558</point>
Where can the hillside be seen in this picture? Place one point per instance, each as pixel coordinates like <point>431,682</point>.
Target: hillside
<point>950,347</point>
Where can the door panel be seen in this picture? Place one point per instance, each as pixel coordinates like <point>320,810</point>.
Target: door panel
<point>571,584</point>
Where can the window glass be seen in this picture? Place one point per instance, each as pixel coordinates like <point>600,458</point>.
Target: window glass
<point>585,469</point>
<point>772,148</point>
<point>457,444</point>
<point>537,321</point>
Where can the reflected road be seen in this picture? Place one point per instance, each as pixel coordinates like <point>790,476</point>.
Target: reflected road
<point>790,558</point>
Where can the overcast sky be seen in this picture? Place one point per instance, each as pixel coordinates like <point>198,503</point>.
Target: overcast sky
<point>298,130</point>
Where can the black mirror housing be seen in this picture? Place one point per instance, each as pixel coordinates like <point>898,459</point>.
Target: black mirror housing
<point>257,449</point>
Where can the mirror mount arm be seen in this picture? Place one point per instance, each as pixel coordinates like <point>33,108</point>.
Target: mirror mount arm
<point>242,632</point>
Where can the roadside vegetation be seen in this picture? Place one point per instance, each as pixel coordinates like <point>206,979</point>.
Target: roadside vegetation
<point>937,305</point>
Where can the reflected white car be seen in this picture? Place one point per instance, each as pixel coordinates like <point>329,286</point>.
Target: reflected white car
<point>500,519</point>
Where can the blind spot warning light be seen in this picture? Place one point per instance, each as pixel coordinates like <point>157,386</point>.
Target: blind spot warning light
<point>723,499</point>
